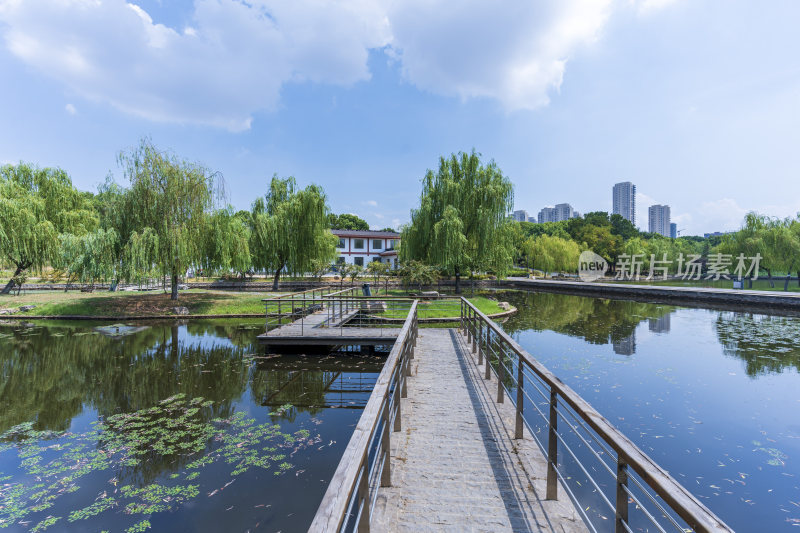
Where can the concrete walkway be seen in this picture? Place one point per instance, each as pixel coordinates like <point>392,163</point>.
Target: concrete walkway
<point>455,465</point>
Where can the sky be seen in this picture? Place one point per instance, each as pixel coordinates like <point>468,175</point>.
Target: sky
<point>697,102</point>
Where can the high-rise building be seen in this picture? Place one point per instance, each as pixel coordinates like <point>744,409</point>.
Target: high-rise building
<point>659,219</point>
<point>520,215</point>
<point>673,230</point>
<point>547,214</point>
<point>533,219</point>
<point>624,201</point>
<point>564,212</point>
<point>557,214</point>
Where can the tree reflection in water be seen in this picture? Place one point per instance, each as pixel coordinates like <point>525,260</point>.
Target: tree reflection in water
<point>595,320</point>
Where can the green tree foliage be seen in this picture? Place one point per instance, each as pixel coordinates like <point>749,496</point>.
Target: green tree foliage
<point>171,198</point>
<point>348,221</point>
<point>227,242</point>
<point>89,257</point>
<point>551,254</point>
<point>461,223</point>
<point>36,207</point>
<point>417,273</point>
<point>290,229</point>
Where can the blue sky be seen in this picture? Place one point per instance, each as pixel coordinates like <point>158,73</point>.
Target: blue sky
<point>697,102</point>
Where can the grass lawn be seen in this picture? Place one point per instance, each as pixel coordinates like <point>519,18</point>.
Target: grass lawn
<point>199,302</point>
<point>445,308</point>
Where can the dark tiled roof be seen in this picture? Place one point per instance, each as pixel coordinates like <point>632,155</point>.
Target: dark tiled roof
<point>366,234</point>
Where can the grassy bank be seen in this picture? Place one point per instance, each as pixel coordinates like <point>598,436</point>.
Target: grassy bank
<point>446,308</point>
<point>198,302</point>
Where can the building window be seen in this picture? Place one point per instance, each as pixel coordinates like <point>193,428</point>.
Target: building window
<point>341,243</point>
<point>392,244</point>
<point>377,244</point>
<point>359,261</point>
<point>340,260</point>
<point>358,244</point>
<point>376,259</point>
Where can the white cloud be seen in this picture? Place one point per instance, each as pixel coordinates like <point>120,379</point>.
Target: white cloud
<point>372,203</point>
<point>721,215</point>
<point>235,56</point>
<point>232,62</point>
<point>69,108</point>
<point>512,51</point>
<point>648,6</point>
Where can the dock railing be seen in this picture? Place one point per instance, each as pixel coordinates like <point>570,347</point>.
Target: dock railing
<point>366,463</point>
<point>619,480</point>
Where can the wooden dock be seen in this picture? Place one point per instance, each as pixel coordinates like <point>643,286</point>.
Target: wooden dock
<point>321,328</point>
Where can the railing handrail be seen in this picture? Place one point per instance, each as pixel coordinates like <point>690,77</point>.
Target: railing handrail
<point>680,500</point>
<point>333,510</point>
<point>291,294</point>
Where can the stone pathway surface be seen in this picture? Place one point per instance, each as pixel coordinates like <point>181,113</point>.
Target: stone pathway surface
<point>455,466</point>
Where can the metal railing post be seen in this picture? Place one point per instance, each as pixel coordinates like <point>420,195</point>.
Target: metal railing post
<point>520,400</point>
<point>501,373</point>
<point>552,449</point>
<point>386,474</point>
<point>474,340</point>
<point>363,494</point>
<point>622,496</point>
<point>488,354</point>
<point>401,384</point>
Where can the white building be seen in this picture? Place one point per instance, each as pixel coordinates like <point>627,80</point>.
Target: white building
<point>624,201</point>
<point>362,247</point>
<point>659,219</point>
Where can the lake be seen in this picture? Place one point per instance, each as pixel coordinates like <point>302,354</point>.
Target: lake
<point>177,427</point>
<point>712,396</point>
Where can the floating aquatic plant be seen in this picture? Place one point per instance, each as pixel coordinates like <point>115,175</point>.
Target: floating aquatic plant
<point>177,432</point>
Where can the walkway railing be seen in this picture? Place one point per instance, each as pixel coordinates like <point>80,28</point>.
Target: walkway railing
<point>366,464</point>
<point>619,480</point>
<point>289,307</point>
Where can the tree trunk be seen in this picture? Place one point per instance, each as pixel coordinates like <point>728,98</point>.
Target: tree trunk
<point>750,282</point>
<point>769,277</point>
<point>174,295</point>
<point>10,284</point>
<point>277,278</point>
<point>458,281</point>
<point>788,275</point>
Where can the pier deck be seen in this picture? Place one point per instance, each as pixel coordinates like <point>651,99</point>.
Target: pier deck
<point>457,465</point>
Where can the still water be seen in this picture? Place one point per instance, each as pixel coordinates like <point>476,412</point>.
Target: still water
<point>167,426</point>
<point>712,396</point>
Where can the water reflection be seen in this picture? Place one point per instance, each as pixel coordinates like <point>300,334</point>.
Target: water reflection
<point>710,395</point>
<point>766,343</point>
<point>595,320</point>
<point>233,413</point>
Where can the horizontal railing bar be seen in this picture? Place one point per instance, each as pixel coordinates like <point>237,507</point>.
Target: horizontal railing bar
<point>655,502</point>
<point>644,509</point>
<point>689,508</point>
<point>588,475</point>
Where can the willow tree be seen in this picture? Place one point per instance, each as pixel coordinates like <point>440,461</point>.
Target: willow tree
<point>36,206</point>
<point>227,245</point>
<point>89,257</point>
<point>461,224</point>
<point>169,199</point>
<point>289,229</point>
